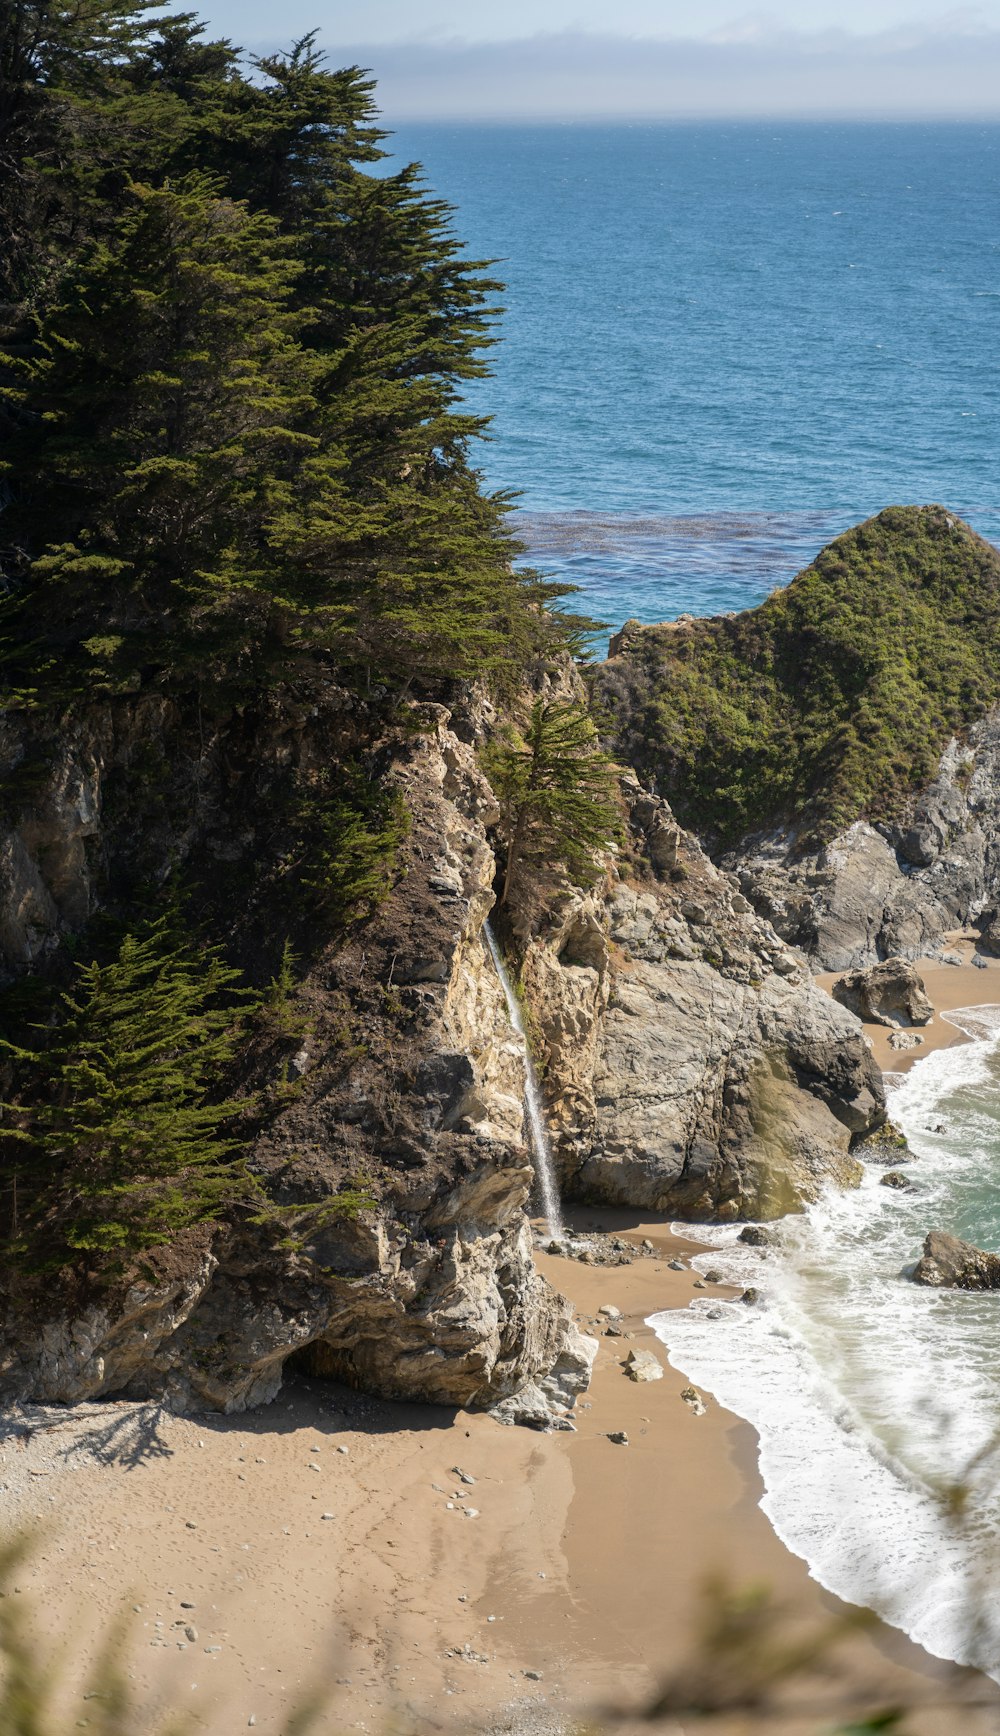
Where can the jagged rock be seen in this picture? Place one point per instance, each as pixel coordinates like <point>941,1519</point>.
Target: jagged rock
<point>641,1365</point>
<point>885,1145</point>
<point>693,1399</point>
<point>950,1264</point>
<point>750,1297</point>
<point>895,889</point>
<point>890,993</point>
<point>894,1178</point>
<point>690,1066</point>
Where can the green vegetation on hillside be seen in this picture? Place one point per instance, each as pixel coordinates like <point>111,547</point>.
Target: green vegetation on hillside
<point>831,701</point>
<point>237,481</point>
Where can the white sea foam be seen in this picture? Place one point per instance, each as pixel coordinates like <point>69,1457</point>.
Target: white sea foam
<point>873,1398</point>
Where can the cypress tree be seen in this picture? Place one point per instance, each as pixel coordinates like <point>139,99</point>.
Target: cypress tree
<point>119,1127</point>
<point>146,469</point>
<point>557,790</point>
<point>233,435</point>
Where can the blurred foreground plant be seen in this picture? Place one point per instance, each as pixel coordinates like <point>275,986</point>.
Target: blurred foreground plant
<point>751,1671</point>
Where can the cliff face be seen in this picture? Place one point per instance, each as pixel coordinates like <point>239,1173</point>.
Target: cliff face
<point>893,889</point>
<point>690,1066</point>
<point>407,1077</point>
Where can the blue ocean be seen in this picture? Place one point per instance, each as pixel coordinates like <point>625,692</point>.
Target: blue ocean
<point>725,343</point>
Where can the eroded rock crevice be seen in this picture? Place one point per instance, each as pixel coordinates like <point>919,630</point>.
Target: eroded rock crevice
<point>892,889</point>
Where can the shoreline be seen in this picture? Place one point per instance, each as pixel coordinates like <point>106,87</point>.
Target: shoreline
<point>590,1557</point>
<point>329,1537</point>
<point>949,987</point>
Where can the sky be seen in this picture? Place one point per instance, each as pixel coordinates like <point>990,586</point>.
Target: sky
<point>594,59</point>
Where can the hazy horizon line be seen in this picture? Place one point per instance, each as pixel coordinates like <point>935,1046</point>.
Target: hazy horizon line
<point>579,76</point>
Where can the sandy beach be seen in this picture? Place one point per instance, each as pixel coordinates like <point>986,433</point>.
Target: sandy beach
<point>948,986</point>
<point>329,1537</point>
<point>433,1568</point>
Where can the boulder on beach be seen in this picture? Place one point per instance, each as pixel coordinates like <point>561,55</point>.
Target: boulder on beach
<point>643,1365</point>
<point>890,993</point>
<point>950,1264</point>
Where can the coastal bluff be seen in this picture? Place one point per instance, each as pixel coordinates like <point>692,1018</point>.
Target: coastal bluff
<point>838,748</point>
<point>688,1064</point>
<point>401,1071</point>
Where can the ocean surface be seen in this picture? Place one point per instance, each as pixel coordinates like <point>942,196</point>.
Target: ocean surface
<point>725,343</point>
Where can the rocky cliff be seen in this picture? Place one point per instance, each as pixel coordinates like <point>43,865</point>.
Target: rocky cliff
<point>838,746</point>
<point>404,1076</point>
<point>690,1065</point>
<point>895,887</point>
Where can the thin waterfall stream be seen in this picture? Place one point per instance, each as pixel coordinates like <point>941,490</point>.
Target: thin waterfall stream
<point>547,1185</point>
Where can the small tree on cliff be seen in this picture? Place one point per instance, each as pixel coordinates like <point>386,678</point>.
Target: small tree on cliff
<point>120,1121</point>
<point>557,790</point>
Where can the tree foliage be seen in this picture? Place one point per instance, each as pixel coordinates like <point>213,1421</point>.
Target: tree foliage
<point>557,791</point>
<point>230,388</point>
<point>349,839</point>
<point>237,479</point>
<point>119,1121</point>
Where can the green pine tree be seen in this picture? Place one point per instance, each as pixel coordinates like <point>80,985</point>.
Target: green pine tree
<point>145,471</point>
<point>232,361</point>
<point>557,791</point>
<point>120,1133</point>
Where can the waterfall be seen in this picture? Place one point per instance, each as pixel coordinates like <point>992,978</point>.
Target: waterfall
<point>547,1186</point>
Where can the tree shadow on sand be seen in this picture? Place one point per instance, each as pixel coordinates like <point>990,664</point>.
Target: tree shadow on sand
<point>116,1432</point>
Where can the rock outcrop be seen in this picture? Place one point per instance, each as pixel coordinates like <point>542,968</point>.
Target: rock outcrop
<point>409,1084</point>
<point>690,1065</point>
<point>891,889</point>
<point>950,1264</point>
<point>838,746</point>
<point>890,993</point>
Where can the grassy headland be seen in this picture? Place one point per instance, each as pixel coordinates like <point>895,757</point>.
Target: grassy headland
<point>831,701</point>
